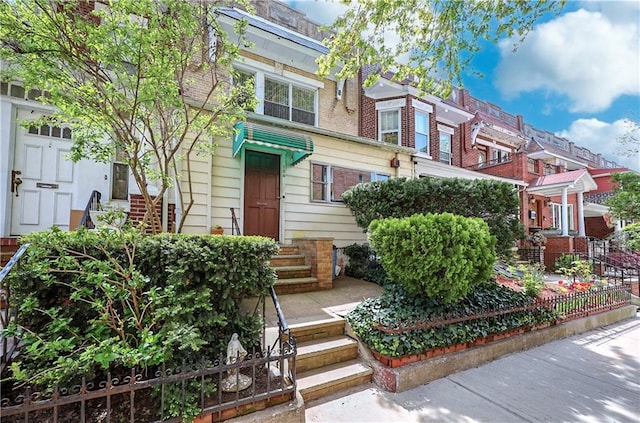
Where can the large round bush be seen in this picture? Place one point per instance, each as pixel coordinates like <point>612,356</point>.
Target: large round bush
<point>438,255</point>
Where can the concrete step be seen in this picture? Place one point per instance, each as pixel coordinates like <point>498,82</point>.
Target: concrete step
<point>319,329</point>
<point>319,353</point>
<point>288,272</point>
<point>296,285</point>
<point>330,379</point>
<point>287,260</point>
<point>288,249</point>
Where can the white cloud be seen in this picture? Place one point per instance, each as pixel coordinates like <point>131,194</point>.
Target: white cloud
<point>590,56</point>
<point>603,138</point>
<point>321,12</point>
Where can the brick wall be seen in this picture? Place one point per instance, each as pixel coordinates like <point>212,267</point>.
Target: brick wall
<point>597,228</point>
<point>137,210</point>
<point>555,247</point>
<point>319,255</point>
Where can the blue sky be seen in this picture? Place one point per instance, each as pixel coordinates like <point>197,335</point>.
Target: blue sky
<point>577,74</point>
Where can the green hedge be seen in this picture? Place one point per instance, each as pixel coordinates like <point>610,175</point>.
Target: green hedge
<point>438,255</point>
<point>496,202</point>
<point>96,300</point>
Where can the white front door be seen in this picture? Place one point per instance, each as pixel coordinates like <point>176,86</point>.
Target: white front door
<point>43,198</point>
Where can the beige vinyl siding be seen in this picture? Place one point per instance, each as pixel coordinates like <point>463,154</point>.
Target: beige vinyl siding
<point>198,216</point>
<point>304,218</point>
<point>226,186</point>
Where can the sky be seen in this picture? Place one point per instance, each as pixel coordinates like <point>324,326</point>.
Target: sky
<point>577,74</point>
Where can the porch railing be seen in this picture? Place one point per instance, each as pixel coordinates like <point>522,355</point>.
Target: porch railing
<point>92,204</point>
<point>235,226</point>
<point>8,343</point>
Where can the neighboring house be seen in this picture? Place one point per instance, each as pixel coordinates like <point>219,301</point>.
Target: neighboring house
<point>438,131</point>
<point>557,173</point>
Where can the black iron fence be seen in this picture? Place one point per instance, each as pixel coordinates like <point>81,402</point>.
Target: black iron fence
<point>583,300</point>
<point>138,397</point>
<point>155,395</point>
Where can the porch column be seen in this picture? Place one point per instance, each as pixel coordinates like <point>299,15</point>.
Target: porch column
<point>581,231</point>
<point>565,213</point>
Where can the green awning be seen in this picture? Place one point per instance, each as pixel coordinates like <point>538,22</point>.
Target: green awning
<point>296,146</point>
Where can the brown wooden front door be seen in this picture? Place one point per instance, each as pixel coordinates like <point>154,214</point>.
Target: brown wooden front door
<point>262,194</point>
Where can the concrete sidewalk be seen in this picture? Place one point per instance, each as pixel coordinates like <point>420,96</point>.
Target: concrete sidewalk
<point>592,377</point>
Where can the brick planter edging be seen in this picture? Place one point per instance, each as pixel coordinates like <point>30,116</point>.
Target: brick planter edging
<point>410,376</point>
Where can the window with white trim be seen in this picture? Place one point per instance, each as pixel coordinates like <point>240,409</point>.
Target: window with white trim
<point>120,176</point>
<point>556,216</point>
<point>329,182</point>
<point>280,98</point>
<point>389,126</point>
<point>245,79</point>
<point>445,148</point>
<point>422,132</point>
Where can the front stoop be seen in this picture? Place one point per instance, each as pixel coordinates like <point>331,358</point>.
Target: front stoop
<point>294,274</point>
<point>327,360</point>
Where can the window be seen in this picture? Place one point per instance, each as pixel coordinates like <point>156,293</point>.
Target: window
<point>500,156</point>
<point>328,182</point>
<point>556,216</point>
<point>482,156</point>
<point>279,98</point>
<point>422,132</point>
<point>390,126</point>
<point>549,169</point>
<point>245,79</point>
<point>120,176</point>
<point>532,166</point>
<point>445,148</point>
<point>50,131</point>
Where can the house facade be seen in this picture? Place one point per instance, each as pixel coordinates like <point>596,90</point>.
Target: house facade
<point>281,175</point>
<point>308,140</point>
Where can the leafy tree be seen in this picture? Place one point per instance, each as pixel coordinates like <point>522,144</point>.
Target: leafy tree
<point>625,204</point>
<point>630,140</point>
<point>140,73</point>
<point>434,37</point>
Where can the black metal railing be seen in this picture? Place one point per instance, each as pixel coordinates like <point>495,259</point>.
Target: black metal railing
<point>92,204</point>
<point>142,396</point>
<point>235,226</point>
<point>489,163</point>
<point>8,343</point>
<point>569,306</point>
<point>137,397</point>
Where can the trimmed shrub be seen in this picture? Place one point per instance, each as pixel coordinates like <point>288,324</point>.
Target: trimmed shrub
<point>496,202</point>
<point>92,301</point>
<point>438,255</point>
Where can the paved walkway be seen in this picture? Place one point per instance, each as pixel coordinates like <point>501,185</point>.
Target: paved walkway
<point>592,377</point>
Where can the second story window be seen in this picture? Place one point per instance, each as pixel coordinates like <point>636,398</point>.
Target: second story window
<point>422,132</point>
<point>482,156</point>
<point>389,126</point>
<point>500,156</point>
<point>280,98</point>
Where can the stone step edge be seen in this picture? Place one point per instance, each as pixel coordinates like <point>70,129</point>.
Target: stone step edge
<point>294,281</point>
<point>310,349</point>
<point>327,376</point>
